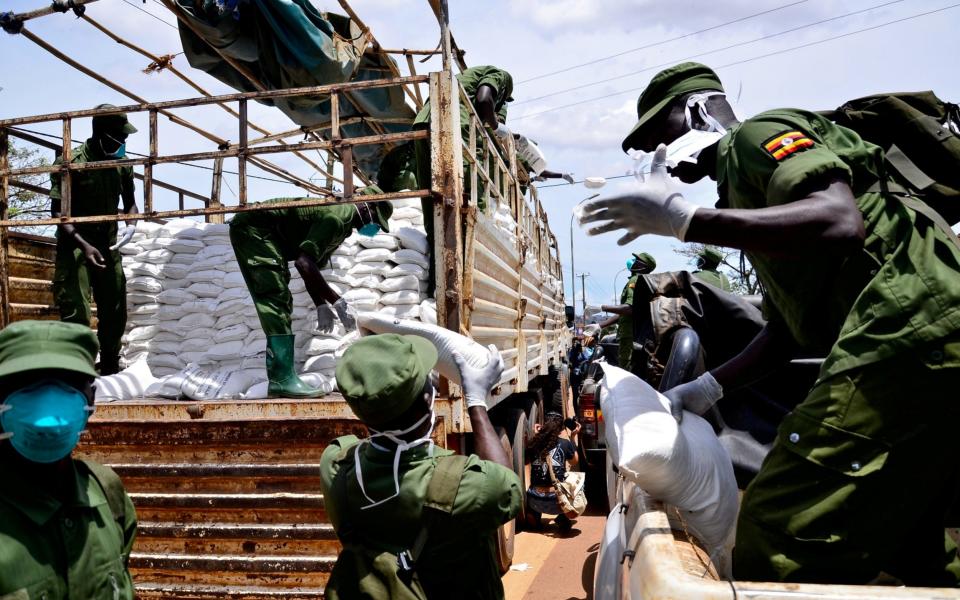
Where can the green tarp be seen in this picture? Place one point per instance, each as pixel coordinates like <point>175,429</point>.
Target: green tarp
<point>287,44</point>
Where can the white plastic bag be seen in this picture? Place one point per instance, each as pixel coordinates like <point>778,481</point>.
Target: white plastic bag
<point>410,256</point>
<point>381,240</point>
<point>408,269</point>
<point>412,239</point>
<point>395,284</point>
<point>401,297</point>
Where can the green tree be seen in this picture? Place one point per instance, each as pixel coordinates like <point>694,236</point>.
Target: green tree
<point>29,202</point>
<point>742,275</point>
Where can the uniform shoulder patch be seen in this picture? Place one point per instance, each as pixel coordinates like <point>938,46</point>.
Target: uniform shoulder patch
<point>785,143</point>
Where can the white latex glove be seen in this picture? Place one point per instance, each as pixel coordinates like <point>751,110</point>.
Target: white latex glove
<point>591,310</point>
<point>502,133</point>
<point>478,381</point>
<point>325,316</point>
<point>654,207</point>
<point>697,396</point>
<point>540,178</point>
<point>348,316</point>
<point>125,236</point>
<point>568,177</point>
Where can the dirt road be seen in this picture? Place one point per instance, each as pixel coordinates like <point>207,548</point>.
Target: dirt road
<point>548,565</point>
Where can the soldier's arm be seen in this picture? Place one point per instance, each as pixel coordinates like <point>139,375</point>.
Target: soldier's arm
<point>608,322</point>
<point>624,310</point>
<point>126,194</point>
<point>318,288</point>
<point>486,104</point>
<point>825,221</point>
<point>486,441</point>
<point>771,348</point>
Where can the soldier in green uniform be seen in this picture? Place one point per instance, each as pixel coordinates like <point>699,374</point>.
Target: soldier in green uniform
<point>408,166</point>
<point>639,264</point>
<point>863,471</point>
<point>265,241</point>
<point>707,262</point>
<point>66,525</point>
<point>374,489</point>
<point>87,253</point>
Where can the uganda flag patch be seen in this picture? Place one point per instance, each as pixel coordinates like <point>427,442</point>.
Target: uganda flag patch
<point>784,144</point>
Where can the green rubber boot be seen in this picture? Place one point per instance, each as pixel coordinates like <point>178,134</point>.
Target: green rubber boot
<point>284,381</point>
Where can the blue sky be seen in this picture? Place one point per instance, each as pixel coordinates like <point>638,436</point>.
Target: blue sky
<point>531,38</point>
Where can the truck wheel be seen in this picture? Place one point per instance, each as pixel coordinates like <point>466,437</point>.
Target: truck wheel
<point>516,428</point>
<point>507,532</point>
<point>535,414</point>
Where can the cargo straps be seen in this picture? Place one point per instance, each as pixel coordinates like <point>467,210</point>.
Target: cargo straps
<point>919,181</point>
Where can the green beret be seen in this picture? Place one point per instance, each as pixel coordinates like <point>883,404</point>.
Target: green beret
<point>665,87</point>
<point>711,256</point>
<point>646,259</point>
<point>380,376</point>
<point>35,345</point>
<point>113,122</point>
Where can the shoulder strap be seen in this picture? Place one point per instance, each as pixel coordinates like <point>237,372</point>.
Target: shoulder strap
<point>112,488</point>
<point>441,495</point>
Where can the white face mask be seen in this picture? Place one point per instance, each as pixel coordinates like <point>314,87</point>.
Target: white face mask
<point>402,446</point>
<point>688,146</point>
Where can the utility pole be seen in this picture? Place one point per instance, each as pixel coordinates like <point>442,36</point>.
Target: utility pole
<point>583,292</point>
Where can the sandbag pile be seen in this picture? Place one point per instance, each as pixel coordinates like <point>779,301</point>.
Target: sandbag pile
<point>192,321</point>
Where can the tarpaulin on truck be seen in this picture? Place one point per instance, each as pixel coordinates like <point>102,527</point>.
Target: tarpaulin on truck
<point>287,44</point>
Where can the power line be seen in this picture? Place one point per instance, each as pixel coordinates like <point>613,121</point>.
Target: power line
<point>751,59</point>
<point>661,42</point>
<point>708,52</point>
<point>145,11</point>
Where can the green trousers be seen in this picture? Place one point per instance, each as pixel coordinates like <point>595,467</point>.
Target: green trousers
<point>861,478</point>
<point>625,341</point>
<point>266,273</point>
<point>73,281</point>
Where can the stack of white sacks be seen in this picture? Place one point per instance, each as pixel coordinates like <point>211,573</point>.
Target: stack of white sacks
<point>193,331</point>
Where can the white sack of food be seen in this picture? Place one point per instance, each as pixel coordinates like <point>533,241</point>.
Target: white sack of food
<point>230,319</point>
<point>401,311</point>
<point>147,228</point>
<point>381,240</point>
<point>296,284</point>
<point>203,289</point>
<point>405,203</point>
<point>233,280</point>
<point>409,213</point>
<point>341,275</point>
<point>428,311</point>
<point>144,268</point>
<point>185,246</point>
<point>129,384</point>
<point>213,384</point>
<point>233,294</point>
<point>445,341</point>
<point>340,262</point>
<point>206,275</point>
<point>159,256</point>
<point>317,346</point>
<point>196,344</point>
<point>190,233</point>
<point>150,285</point>
<point>361,294</point>
<point>195,320</point>
<point>412,239</point>
<point>322,362</point>
<point>149,308</point>
<point>368,281</point>
<point>141,333</point>
<point>410,256</point>
<point>375,255</point>
<point>181,259</point>
<point>232,333</point>
<point>368,268</point>
<point>173,361</point>
<point>131,250</point>
<point>175,270</point>
<point>164,347</point>
<point>212,250</point>
<point>155,243</point>
<point>401,297</point>
<point>225,351</point>
<point>683,465</point>
<point>408,269</point>
<point>395,284</point>
<point>141,298</point>
<point>347,249</point>
<point>175,296</point>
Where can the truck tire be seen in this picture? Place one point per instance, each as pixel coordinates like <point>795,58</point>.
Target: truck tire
<point>506,534</point>
<point>536,413</point>
<point>516,428</point>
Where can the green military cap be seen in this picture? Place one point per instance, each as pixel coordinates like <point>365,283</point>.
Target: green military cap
<point>646,259</point>
<point>711,255</point>
<point>35,345</point>
<point>380,376</point>
<point>380,211</point>
<point>113,122</point>
<point>665,87</point>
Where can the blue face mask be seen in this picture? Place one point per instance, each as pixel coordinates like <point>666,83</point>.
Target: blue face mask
<point>43,421</point>
<point>120,152</point>
<point>369,230</point>
<point>630,262</point>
